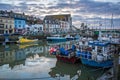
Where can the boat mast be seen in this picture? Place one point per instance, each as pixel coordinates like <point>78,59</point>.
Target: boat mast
<point>112,27</point>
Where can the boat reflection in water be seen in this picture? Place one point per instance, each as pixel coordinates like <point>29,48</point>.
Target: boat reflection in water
<point>22,46</point>
<point>63,71</point>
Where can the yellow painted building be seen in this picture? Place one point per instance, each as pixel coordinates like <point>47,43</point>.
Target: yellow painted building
<point>6,25</point>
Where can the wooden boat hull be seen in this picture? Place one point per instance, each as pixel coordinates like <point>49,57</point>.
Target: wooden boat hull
<point>67,59</point>
<point>92,63</point>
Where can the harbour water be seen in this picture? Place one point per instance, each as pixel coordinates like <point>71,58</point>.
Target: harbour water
<point>33,61</point>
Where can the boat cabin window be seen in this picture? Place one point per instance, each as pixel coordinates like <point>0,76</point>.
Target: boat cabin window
<point>93,47</point>
<point>83,42</point>
<point>99,49</point>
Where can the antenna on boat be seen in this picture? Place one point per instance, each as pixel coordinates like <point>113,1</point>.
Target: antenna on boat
<point>100,32</point>
<point>112,26</point>
<point>112,21</point>
<point>71,16</point>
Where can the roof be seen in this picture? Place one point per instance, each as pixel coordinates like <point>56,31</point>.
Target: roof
<point>54,17</point>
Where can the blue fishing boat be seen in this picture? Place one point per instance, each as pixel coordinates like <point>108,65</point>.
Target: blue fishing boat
<point>96,54</point>
<point>65,55</point>
<point>56,38</point>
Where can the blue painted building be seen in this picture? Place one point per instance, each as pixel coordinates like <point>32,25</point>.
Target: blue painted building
<point>19,24</point>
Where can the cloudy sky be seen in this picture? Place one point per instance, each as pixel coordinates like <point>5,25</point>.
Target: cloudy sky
<point>91,12</point>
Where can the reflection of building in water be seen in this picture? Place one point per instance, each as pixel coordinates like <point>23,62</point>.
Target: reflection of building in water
<point>1,57</point>
<point>46,49</point>
<point>20,55</point>
<point>33,50</point>
<point>13,57</point>
<point>9,56</point>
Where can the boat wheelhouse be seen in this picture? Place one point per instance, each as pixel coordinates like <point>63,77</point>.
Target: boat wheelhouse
<point>96,54</point>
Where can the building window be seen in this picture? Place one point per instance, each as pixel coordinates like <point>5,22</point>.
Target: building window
<point>45,21</point>
<point>10,31</point>
<point>19,22</point>
<point>1,25</point>
<point>19,25</point>
<point>10,26</point>
<point>40,28</point>
<point>1,20</point>
<point>6,26</point>
<point>1,31</point>
<point>10,21</point>
<point>6,32</point>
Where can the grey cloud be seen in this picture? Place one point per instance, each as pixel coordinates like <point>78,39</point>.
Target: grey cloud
<point>81,8</point>
<point>5,6</point>
<point>98,7</point>
<point>89,6</point>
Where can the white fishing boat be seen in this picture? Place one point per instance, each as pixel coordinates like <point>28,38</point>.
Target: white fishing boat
<point>96,54</point>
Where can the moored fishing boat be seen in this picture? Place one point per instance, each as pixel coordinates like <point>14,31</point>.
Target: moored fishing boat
<point>63,55</point>
<point>56,38</point>
<point>25,40</point>
<point>96,54</point>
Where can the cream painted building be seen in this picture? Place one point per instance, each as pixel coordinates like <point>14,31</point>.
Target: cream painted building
<point>6,25</point>
<point>57,23</point>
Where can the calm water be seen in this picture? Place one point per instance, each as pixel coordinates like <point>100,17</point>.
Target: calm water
<point>33,62</point>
